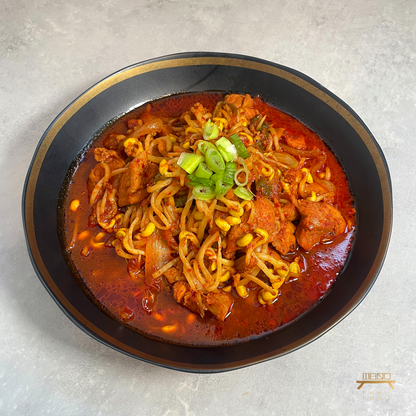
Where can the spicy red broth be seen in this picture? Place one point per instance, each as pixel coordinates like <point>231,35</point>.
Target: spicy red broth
<point>149,306</point>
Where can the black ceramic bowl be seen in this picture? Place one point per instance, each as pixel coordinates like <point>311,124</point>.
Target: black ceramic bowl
<point>284,88</point>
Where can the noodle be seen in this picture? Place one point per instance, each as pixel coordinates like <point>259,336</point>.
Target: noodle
<point>208,244</point>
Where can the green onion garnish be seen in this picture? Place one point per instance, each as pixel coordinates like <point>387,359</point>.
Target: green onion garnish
<point>204,146</point>
<point>221,188</point>
<point>210,130</point>
<point>203,171</point>
<point>243,193</point>
<point>239,145</point>
<point>227,149</point>
<point>203,192</point>
<point>217,176</point>
<point>246,173</point>
<point>229,173</point>
<point>195,181</point>
<point>189,161</point>
<point>214,160</point>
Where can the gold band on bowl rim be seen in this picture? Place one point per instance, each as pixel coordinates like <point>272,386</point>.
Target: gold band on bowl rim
<point>138,69</point>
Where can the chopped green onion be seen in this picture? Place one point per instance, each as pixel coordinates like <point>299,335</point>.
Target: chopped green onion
<point>203,192</point>
<point>263,186</point>
<point>243,169</point>
<point>181,201</point>
<point>217,176</point>
<point>233,108</point>
<point>217,108</point>
<point>189,161</point>
<point>243,193</point>
<point>204,146</point>
<point>227,149</point>
<point>221,188</point>
<point>239,145</point>
<point>255,119</point>
<point>236,177</point>
<point>203,171</point>
<point>210,130</point>
<point>195,181</point>
<point>229,172</point>
<point>214,160</point>
<point>259,145</point>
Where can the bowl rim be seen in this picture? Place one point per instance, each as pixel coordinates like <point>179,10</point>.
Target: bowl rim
<point>188,59</point>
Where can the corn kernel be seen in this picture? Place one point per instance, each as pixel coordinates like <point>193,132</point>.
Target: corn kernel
<point>120,234</point>
<point>245,241</point>
<point>225,277</point>
<point>168,329</point>
<point>99,236</point>
<point>199,215</point>
<point>223,225</point>
<point>213,266</point>
<point>74,205</point>
<point>83,235</point>
<point>233,220</point>
<point>163,167</point>
<point>267,296</point>
<point>173,138</point>
<point>321,175</point>
<point>270,177</point>
<point>286,186</point>
<point>309,177</point>
<point>112,223</point>
<point>118,216</point>
<point>96,245</point>
<point>148,230</point>
<point>130,142</point>
<point>85,251</point>
<point>220,122</point>
<point>191,129</point>
<point>115,242</point>
<point>260,299</point>
<point>186,145</point>
<point>312,197</point>
<point>263,233</point>
<point>158,316</point>
<point>242,291</point>
<point>237,213</point>
<point>226,288</point>
<point>294,267</point>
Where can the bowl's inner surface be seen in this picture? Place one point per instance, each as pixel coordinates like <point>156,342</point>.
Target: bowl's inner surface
<point>280,87</point>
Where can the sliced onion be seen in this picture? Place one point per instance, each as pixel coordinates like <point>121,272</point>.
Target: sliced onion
<point>157,254</point>
<point>285,158</point>
<point>301,153</point>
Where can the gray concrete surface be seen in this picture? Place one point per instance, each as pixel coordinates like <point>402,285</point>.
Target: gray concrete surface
<point>51,51</point>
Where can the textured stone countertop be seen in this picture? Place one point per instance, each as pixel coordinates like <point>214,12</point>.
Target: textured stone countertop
<point>364,51</point>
